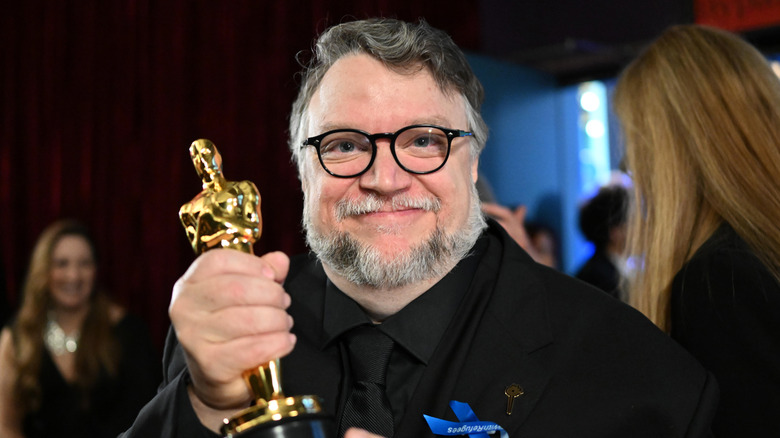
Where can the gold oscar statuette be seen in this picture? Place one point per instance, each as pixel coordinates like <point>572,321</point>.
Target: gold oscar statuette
<point>226,214</point>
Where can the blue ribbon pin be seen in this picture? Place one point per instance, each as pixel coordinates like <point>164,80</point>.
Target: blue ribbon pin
<point>469,423</point>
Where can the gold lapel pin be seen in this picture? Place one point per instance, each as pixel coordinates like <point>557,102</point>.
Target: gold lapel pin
<point>512,392</point>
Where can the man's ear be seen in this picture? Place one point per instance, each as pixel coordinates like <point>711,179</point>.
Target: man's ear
<point>475,170</point>
<point>304,174</point>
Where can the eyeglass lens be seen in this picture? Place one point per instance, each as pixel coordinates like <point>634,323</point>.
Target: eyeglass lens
<point>418,149</point>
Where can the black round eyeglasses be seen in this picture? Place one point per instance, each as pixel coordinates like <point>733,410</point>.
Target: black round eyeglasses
<point>418,149</point>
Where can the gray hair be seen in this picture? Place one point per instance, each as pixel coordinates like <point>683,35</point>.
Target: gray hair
<point>403,47</point>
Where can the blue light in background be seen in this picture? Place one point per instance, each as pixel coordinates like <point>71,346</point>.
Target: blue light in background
<point>593,137</point>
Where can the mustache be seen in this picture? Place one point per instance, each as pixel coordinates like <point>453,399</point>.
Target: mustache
<point>373,203</point>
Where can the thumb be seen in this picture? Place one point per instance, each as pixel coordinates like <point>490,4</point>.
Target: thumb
<point>360,433</point>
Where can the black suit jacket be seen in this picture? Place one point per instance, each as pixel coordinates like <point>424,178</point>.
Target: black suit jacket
<point>589,365</point>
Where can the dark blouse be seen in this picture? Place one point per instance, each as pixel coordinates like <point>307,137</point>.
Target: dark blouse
<point>726,311</point>
<point>113,403</point>
<point>602,273</point>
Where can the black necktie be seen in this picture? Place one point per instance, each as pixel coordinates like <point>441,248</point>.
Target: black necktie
<point>367,406</point>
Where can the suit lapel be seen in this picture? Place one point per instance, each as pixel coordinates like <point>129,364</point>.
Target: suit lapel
<point>472,364</point>
<point>496,362</point>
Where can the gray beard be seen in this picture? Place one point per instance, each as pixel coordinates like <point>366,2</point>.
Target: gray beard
<point>364,265</point>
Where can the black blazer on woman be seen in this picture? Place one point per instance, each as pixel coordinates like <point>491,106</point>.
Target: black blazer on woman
<point>726,311</point>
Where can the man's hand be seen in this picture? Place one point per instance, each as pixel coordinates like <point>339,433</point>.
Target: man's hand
<point>513,222</point>
<point>229,314</point>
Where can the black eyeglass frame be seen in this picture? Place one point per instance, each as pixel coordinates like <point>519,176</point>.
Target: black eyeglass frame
<point>372,138</point>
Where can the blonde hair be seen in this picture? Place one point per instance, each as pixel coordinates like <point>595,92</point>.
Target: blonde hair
<point>700,112</point>
<point>97,347</point>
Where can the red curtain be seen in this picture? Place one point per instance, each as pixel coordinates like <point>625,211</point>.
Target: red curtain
<point>101,100</point>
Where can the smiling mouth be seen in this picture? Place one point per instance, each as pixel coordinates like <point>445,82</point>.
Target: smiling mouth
<point>391,212</point>
<point>71,288</point>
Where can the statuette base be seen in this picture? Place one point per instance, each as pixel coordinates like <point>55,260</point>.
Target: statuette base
<point>272,419</point>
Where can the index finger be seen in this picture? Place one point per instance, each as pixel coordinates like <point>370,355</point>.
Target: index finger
<point>273,265</point>
<point>497,211</point>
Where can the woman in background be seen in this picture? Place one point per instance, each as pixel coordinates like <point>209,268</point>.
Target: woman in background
<point>72,363</point>
<point>603,223</point>
<point>700,110</point>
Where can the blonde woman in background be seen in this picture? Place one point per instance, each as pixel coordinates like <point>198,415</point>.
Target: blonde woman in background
<point>72,362</point>
<point>700,110</point>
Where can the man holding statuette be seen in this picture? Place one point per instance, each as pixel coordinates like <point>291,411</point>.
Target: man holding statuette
<point>413,316</point>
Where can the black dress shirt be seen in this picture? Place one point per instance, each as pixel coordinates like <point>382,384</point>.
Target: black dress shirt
<point>416,329</point>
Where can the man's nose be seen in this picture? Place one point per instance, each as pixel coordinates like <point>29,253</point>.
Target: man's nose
<point>385,175</point>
